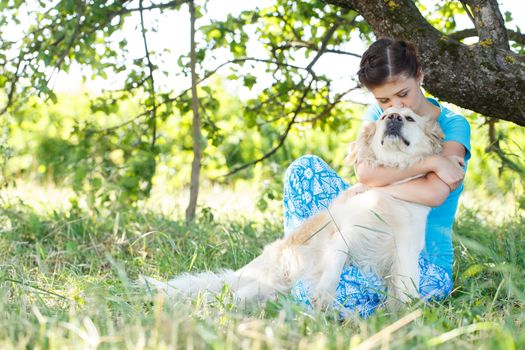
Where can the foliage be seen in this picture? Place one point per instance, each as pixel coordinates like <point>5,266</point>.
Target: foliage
<point>71,142</point>
<point>118,163</point>
<point>44,140</point>
<point>110,145</point>
<point>106,162</point>
<point>497,166</point>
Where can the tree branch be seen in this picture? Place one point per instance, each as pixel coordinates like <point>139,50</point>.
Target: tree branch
<point>167,5</point>
<point>282,138</point>
<point>517,37</point>
<point>329,107</point>
<point>185,91</point>
<point>153,95</point>
<point>489,22</point>
<point>326,38</point>
<point>324,42</point>
<point>74,35</point>
<point>468,12</point>
<point>14,81</point>
<point>307,45</point>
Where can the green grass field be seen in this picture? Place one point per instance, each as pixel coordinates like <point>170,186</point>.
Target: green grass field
<point>66,282</point>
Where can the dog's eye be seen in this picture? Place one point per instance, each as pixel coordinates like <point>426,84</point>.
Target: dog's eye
<point>410,119</point>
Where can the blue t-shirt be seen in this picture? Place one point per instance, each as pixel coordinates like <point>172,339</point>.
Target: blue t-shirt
<point>438,236</point>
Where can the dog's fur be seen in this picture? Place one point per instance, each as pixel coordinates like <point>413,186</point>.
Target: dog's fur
<point>372,230</point>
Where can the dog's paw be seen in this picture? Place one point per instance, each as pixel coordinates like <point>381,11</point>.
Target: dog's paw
<point>323,299</point>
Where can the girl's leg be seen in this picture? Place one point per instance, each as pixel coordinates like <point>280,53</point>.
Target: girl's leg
<point>364,293</point>
<point>359,292</point>
<point>310,185</point>
<point>435,283</point>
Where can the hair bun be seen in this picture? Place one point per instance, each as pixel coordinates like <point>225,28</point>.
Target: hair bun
<point>387,58</point>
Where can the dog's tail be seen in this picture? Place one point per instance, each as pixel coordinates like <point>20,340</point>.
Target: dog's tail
<point>190,285</point>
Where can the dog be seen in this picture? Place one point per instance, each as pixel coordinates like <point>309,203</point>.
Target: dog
<point>371,230</point>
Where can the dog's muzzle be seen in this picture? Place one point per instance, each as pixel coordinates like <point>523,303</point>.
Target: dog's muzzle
<point>394,123</point>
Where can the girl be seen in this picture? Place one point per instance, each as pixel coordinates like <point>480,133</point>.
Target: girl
<point>391,71</point>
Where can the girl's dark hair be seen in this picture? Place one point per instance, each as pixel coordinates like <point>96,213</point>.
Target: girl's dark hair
<point>386,59</point>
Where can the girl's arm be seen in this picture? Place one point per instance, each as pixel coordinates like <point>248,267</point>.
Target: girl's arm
<point>428,190</point>
<point>446,165</point>
<point>377,176</point>
<point>443,174</point>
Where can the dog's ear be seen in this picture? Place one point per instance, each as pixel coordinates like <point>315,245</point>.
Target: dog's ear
<point>435,134</point>
<point>351,157</point>
<point>361,146</point>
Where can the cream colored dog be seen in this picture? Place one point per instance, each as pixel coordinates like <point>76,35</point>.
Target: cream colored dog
<point>371,230</point>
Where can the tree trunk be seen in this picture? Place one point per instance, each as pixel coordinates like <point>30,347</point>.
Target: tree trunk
<point>485,77</point>
<point>197,151</point>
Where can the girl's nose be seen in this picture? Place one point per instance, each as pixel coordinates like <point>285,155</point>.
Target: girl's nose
<point>397,104</point>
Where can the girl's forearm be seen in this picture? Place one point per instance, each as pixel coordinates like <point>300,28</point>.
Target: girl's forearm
<point>382,176</point>
<point>429,190</point>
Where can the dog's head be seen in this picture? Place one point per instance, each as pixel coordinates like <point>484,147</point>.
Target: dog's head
<point>399,138</point>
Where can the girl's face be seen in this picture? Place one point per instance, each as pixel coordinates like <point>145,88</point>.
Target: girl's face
<point>400,92</point>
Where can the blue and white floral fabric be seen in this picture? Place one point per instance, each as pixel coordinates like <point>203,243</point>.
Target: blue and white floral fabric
<point>310,185</point>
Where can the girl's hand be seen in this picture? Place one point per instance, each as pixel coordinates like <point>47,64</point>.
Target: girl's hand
<point>356,189</point>
<point>450,170</point>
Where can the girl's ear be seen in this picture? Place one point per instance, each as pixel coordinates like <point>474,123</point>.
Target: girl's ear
<point>420,76</point>
<point>361,146</point>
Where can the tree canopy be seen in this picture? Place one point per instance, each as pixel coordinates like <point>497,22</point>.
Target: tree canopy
<point>274,50</point>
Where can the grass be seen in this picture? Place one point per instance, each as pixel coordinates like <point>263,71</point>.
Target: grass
<point>66,282</point>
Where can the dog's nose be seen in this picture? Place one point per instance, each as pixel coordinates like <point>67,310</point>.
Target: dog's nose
<point>394,123</point>
<point>394,116</point>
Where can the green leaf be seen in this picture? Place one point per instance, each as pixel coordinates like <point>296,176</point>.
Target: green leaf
<point>79,176</point>
<point>214,34</point>
<point>249,80</point>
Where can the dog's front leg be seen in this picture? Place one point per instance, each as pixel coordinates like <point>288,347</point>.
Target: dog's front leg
<point>331,266</point>
<point>253,291</point>
<point>405,274</point>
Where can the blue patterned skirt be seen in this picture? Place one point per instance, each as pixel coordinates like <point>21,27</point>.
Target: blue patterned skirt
<point>310,185</point>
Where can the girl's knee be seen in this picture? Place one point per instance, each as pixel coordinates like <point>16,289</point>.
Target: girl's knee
<point>304,162</point>
<point>307,159</point>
